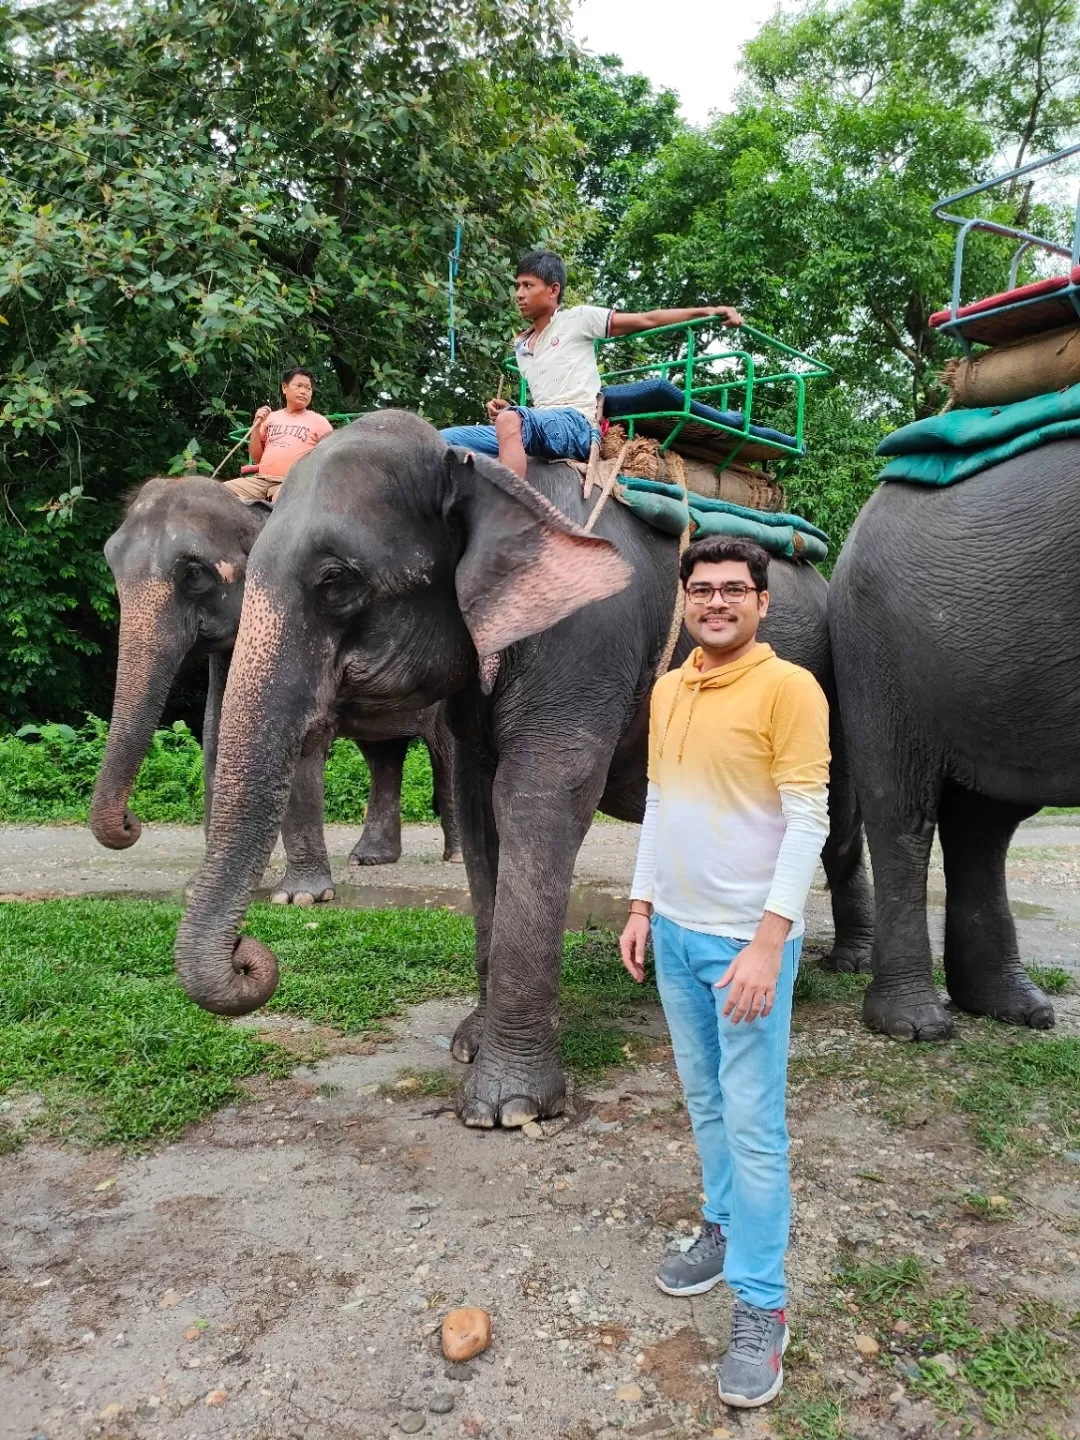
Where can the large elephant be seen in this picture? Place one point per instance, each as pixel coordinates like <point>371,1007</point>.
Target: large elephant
<point>180,560</point>
<point>955,621</point>
<point>397,571</point>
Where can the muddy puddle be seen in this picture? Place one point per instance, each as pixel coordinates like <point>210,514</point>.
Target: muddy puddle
<point>590,906</point>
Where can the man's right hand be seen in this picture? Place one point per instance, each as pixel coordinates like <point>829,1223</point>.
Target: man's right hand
<point>494,406</point>
<point>632,943</point>
<point>260,415</point>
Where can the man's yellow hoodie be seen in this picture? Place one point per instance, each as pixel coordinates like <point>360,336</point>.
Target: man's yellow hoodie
<point>737,810</point>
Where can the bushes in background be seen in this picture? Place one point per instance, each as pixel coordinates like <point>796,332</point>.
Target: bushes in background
<point>47,773</point>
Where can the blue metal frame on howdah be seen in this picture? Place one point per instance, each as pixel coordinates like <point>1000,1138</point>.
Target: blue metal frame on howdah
<point>1070,291</point>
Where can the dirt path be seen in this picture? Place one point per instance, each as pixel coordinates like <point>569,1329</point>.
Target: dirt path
<point>282,1270</point>
<point>1044,876</point>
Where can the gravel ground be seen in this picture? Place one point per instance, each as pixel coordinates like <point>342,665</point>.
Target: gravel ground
<point>281,1271</point>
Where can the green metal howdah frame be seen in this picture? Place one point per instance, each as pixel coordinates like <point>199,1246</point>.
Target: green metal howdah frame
<point>692,370</point>
<point>695,376</point>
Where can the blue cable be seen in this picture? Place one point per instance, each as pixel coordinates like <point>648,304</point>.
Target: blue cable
<point>454,258</point>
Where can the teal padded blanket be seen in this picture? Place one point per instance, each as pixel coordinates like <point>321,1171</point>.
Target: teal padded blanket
<point>665,507</point>
<point>947,448</point>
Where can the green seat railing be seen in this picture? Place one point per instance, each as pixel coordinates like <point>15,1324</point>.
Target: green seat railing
<point>694,371</point>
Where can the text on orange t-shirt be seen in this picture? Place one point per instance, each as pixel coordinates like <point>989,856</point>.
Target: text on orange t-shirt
<point>286,437</point>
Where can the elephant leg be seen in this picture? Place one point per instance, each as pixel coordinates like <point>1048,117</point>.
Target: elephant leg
<point>901,1000</point>
<point>215,688</point>
<point>542,820</point>
<point>441,749</point>
<point>982,962</point>
<point>380,839</point>
<point>845,868</point>
<point>307,879</point>
<point>473,776</point>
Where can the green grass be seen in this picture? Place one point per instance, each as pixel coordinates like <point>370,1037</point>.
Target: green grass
<point>47,774</point>
<point>1003,1369</point>
<point>798,1418</point>
<point>1051,979</point>
<point>92,1018</point>
<point>1019,1089</point>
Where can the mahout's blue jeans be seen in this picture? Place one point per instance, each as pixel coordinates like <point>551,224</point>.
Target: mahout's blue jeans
<point>735,1081</point>
<point>545,434</point>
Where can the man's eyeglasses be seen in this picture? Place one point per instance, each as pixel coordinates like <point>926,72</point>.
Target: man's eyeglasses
<point>734,592</point>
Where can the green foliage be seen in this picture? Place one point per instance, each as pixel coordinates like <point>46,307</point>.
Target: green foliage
<point>622,125</point>
<point>808,205</point>
<point>92,1019</point>
<point>48,772</point>
<point>192,199</point>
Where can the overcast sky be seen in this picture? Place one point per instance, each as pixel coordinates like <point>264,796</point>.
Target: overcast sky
<point>691,46</point>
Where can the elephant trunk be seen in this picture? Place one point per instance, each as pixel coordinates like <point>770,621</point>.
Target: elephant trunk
<point>268,709</point>
<point>151,651</point>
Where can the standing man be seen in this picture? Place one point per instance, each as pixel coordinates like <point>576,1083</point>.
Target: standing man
<point>280,437</point>
<point>736,815</point>
<point>556,355</point>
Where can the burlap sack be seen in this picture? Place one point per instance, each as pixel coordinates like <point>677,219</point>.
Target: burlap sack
<point>738,484</point>
<point>1037,365</point>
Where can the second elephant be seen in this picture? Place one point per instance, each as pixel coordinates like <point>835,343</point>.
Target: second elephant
<point>180,562</point>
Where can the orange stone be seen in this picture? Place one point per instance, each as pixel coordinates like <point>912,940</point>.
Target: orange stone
<point>465,1333</point>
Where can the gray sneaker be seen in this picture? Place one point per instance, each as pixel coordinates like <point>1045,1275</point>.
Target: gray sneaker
<point>752,1371</point>
<point>693,1271</point>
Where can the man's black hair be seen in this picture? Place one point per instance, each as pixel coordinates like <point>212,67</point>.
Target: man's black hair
<point>545,266</point>
<point>715,548</point>
<point>297,370</point>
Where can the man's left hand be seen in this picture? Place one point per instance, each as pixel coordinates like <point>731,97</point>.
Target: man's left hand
<point>752,976</point>
<point>728,314</point>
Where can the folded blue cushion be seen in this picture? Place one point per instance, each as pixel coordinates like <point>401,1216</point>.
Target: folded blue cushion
<point>642,396</point>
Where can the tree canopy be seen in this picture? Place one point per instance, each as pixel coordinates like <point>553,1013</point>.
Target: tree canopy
<point>192,198</point>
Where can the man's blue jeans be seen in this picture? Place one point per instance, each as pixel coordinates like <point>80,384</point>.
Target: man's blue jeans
<point>735,1079</point>
<point>545,434</point>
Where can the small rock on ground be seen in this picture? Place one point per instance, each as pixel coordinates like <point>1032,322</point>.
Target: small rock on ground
<point>411,1422</point>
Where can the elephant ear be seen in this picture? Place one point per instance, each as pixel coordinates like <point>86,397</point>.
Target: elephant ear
<point>525,566</point>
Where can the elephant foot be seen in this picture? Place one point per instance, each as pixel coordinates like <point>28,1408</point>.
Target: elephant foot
<point>374,852</point>
<point>467,1037</point>
<point>912,1014</point>
<point>850,958</point>
<point>1012,997</point>
<point>303,887</point>
<point>511,1092</point>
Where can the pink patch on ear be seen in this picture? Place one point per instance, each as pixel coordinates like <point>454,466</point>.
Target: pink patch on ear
<point>567,573</point>
<point>489,673</point>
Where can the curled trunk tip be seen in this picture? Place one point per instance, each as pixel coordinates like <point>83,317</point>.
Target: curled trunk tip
<point>241,986</point>
<point>114,827</point>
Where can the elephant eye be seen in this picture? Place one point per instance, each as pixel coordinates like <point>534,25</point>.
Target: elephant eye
<point>340,588</point>
<point>195,578</point>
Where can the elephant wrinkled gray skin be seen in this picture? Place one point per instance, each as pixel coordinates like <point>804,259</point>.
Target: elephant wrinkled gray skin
<point>180,559</point>
<point>955,620</point>
<point>394,567</point>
